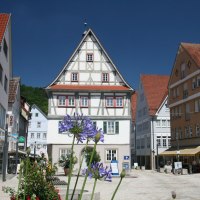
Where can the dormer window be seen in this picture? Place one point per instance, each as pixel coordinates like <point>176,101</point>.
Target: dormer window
<point>105,77</point>
<point>89,57</point>
<point>74,77</point>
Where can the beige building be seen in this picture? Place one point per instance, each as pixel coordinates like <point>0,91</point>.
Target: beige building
<point>184,103</point>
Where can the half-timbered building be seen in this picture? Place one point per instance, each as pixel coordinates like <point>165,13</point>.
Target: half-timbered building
<point>90,84</point>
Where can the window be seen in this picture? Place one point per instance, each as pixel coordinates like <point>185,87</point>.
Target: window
<point>111,127</point>
<point>158,123</point>
<point>164,123</point>
<point>36,114</point>
<point>84,101</point>
<point>190,131</point>
<point>95,124</point>
<point>185,90</point>
<point>183,70</point>
<point>1,74</point>
<point>105,77</point>
<point>32,135</point>
<point>119,102</point>
<point>89,57</point>
<point>38,135</point>
<point>65,152</point>
<point>38,124</point>
<point>198,81</point>
<point>194,83</point>
<point>158,141</point>
<point>62,101</point>
<point>180,133</point>
<point>44,135</point>
<point>74,77</point>
<point>109,102</point>
<point>5,48</point>
<point>169,141</point>
<point>111,154</point>
<point>164,141</point>
<point>197,105</point>
<point>186,132</point>
<point>187,111</point>
<point>5,84</point>
<point>44,146</point>
<point>2,116</point>
<point>71,101</point>
<point>197,130</point>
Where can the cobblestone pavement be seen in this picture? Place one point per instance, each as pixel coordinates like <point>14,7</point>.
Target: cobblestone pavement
<point>140,185</point>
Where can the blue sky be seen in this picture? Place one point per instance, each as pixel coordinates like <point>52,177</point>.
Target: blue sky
<point>140,36</point>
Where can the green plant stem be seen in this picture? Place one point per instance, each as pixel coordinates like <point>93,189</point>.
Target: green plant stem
<point>116,188</point>
<point>19,183</point>
<point>86,175</point>
<point>79,170</point>
<point>25,178</point>
<point>95,182</point>
<point>70,170</point>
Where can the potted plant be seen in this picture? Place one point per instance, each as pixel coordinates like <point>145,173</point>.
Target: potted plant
<point>64,162</point>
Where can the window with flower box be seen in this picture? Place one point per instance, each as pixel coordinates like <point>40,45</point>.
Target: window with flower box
<point>105,77</point>
<point>74,77</point>
<point>84,101</point>
<point>111,127</point>
<point>111,154</point>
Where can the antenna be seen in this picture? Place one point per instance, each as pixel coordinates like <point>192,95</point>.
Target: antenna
<point>85,26</point>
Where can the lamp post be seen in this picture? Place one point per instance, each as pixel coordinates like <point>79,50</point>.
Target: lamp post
<point>34,149</point>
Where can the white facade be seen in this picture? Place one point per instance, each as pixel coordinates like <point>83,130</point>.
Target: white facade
<point>151,130</point>
<point>37,131</point>
<point>91,85</point>
<point>5,70</point>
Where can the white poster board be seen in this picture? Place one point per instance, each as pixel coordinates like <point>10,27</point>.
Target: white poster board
<point>178,165</point>
<point>114,167</point>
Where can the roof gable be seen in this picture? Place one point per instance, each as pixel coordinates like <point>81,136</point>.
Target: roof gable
<point>155,90</point>
<point>34,106</point>
<point>4,18</point>
<point>90,44</point>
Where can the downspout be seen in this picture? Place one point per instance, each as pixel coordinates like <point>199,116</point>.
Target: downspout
<point>153,150</point>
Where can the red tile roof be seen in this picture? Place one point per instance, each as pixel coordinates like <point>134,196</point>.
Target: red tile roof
<point>89,87</point>
<point>155,90</point>
<point>4,18</point>
<point>13,86</point>
<point>194,51</point>
<point>133,105</point>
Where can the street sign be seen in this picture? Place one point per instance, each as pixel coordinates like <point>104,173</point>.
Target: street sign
<point>20,144</point>
<point>21,139</point>
<point>126,157</point>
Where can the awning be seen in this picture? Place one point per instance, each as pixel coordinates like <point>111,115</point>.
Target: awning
<point>182,152</point>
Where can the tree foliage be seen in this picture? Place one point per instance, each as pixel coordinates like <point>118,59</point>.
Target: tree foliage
<point>35,95</point>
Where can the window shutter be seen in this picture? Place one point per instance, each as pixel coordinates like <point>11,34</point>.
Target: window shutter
<point>105,127</point>
<point>117,127</point>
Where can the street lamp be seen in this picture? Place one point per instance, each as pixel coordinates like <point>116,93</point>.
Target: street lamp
<point>34,150</point>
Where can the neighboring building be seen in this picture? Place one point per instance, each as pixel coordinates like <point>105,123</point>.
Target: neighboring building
<point>24,121</point>
<point>184,103</point>
<point>90,84</point>
<point>5,73</point>
<point>13,112</point>
<point>152,119</point>
<point>37,131</point>
<point>133,132</point>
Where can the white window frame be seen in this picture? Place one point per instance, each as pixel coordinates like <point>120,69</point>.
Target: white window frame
<point>71,101</point>
<point>65,151</point>
<point>44,135</point>
<point>164,141</point>
<point>111,154</point>
<point>84,101</point>
<point>89,57</point>
<point>38,124</point>
<point>61,100</point>
<point>109,102</point>
<point>105,77</point>
<point>38,135</point>
<point>119,102</point>
<point>74,76</point>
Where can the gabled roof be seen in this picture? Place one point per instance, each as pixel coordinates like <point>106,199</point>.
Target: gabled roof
<point>35,106</point>
<point>194,51</point>
<point>155,90</point>
<point>4,19</point>
<point>89,32</point>
<point>133,105</point>
<point>90,87</point>
<point>13,87</point>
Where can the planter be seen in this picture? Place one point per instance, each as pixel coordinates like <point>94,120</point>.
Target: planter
<point>66,171</point>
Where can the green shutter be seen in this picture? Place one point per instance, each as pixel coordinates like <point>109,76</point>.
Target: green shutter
<point>105,127</point>
<point>117,127</point>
